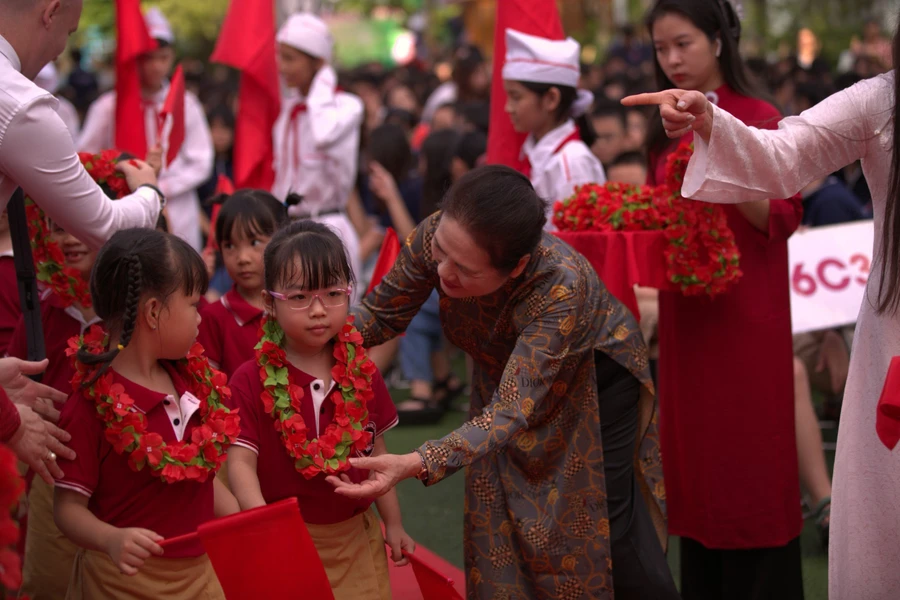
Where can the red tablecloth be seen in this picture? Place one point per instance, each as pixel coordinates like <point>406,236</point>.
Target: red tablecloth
<point>623,260</point>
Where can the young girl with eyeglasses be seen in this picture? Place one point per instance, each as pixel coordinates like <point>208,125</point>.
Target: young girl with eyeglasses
<point>309,401</point>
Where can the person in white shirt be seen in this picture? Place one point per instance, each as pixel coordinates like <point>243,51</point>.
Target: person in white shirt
<point>193,164</point>
<point>37,154</point>
<point>48,79</point>
<point>540,77</point>
<point>316,136</point>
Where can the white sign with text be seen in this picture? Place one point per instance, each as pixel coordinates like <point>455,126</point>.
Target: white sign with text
<point>829,269</point>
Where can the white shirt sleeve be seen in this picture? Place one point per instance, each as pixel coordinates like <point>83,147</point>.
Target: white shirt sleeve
<point>575,168</point>
<point>743,163</point>
<point>193,164</point>
<point>37,153</point>
<point>331,119</point>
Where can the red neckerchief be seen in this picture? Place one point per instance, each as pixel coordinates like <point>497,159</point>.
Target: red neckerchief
<point>572,137</point>
<point>292,132</point>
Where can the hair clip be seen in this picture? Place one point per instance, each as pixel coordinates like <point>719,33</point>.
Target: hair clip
<point>120,347</point>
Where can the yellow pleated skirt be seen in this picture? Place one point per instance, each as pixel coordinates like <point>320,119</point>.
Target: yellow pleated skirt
<point>354,557</point>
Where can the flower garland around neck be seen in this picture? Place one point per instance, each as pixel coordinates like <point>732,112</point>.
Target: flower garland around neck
<point>67,282</point>
<point>352,374</point>
<point>126,426</point>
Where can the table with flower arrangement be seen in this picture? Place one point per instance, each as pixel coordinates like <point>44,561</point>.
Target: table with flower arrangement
<point>650,236</point>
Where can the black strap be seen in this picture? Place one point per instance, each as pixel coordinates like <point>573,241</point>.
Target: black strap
<point>26,278</point>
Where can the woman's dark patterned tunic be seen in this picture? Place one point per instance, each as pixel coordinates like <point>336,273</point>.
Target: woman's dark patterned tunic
<point>536,516</point>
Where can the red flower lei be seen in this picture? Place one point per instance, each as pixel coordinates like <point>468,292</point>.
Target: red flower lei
<point>126,428</point>
<point>702,254</point>
<point>66,282</point>
<point>11,488</point>
<point>352,372</point>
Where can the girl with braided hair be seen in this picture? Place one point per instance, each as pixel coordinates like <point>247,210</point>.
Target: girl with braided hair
<point>731,482</point>
<point>143,420</point>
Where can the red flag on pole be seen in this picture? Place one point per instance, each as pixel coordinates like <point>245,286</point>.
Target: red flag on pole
<point>247,42</point>
<point>265,552</point>
<point>534,17</point>
<point>390,250</point>
<point>133,41</point>
<point>174,108</point>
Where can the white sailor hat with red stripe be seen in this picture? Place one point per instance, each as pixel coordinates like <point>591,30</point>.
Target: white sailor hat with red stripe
<point>307,33</point>
<point>541,60</point>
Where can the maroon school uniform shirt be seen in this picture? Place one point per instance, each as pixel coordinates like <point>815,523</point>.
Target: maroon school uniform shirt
<point>726,385</point>
<point>229,331</point>
<point>60,323</point>
<point>278,479</point>
<point>10,309</point>
<point>125,498</point>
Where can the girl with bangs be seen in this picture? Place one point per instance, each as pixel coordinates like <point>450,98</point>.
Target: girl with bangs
<point>230,327</point>
<point>309,401</point>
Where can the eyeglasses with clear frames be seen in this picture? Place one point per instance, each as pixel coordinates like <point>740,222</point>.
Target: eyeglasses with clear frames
<point>303,300</point>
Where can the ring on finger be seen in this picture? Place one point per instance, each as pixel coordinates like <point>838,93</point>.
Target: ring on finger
<point>51,455</point>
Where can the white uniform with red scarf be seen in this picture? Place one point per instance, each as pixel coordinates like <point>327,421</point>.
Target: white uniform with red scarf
<point>316,139</point>
<point>178,181</point>
<point>559,161</point>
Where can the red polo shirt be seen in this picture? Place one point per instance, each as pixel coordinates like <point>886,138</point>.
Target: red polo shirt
<point>10,309</point>
<point>60,323</point>
<point>125,498</point>
<point>275,467</point>
<point>229,331</point>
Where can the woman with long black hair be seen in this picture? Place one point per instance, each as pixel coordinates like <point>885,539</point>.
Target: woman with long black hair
<point>733,162</point>
<point>732,481</point>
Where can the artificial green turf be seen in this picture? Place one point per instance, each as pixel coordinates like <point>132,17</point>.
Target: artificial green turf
<point>433,516</point>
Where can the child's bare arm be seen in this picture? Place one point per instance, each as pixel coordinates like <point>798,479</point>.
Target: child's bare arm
<point>243,479</point>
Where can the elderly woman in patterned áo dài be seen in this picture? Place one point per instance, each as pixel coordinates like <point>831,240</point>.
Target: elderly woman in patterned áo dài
<point>551,510</point>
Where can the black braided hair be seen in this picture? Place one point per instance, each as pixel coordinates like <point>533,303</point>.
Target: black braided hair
<point>136,264</point>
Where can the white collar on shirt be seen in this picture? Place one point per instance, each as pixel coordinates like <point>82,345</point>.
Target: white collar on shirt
<point>7,50</point>
<point>540,152</point>
<point>6,253</point>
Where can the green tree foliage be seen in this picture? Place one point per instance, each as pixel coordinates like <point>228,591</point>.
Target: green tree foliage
<point>196,22</point>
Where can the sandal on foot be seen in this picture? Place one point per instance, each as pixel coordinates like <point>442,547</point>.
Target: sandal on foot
<point>446,393</point>
<point>429,412</point>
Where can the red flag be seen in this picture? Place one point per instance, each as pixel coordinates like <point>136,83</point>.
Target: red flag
<point>247,42</point>
<point>265,552</point>
<point>433,584</point>
<point>133,41</point>
<point>174,108</point>
<point>534,17</point>
<point>887,419</point>
<point>223,186</point>
<point>390,250</point>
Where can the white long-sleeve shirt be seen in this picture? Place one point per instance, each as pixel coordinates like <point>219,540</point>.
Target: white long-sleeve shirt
<point>316,152</point>
<point>37,153</point>
<point>178,181</point>
<point>557,165</point>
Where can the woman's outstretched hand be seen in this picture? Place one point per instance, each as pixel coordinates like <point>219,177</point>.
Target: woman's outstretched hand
<point>682,111</point>
<point>385,471</point>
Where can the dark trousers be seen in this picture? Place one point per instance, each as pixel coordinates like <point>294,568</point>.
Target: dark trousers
<point>755,574</point>
<point>640,570</point>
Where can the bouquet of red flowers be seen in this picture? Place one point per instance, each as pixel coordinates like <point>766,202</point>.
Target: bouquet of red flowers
<point>701,256</point>
<point>67,282</point>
